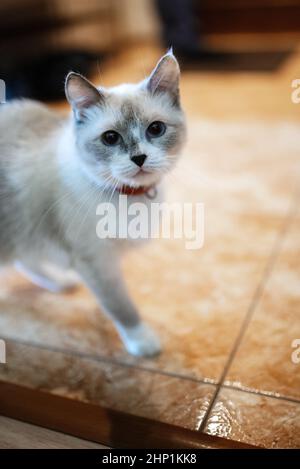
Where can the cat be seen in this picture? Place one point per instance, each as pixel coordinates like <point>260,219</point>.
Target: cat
<point>54,171</point>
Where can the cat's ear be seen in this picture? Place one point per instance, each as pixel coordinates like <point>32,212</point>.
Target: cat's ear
<point>81,94</point>
<point>165,77</point>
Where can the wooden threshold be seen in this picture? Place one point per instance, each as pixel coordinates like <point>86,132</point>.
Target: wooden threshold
<point>101,425</point>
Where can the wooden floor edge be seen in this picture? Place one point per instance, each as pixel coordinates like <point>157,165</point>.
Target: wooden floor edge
<point>101,425</point>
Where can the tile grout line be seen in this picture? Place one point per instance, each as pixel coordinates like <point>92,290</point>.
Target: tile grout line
<point>293,400</point>
<point>217,384</point>
<point>98,358</point>
<point>258,293</point>
<point>170,374</point>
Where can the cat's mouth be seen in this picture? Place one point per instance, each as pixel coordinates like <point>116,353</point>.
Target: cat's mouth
<point>137,177</point>
<point>143,174</point>
<point>141,178</point>
<point>140,172</point>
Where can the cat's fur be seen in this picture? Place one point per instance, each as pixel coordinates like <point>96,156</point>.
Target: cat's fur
<point>55,171</point>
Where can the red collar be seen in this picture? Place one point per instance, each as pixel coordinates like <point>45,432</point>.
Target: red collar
<point>128,190</point>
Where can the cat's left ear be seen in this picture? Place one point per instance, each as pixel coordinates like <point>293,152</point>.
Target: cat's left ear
<point>81,94</point>
<point>165,77</point>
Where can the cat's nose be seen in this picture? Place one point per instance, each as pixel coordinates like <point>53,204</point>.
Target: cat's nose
<point>139,160</point>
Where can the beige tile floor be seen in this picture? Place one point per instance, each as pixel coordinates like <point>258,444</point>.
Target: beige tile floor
<point>227,313</point>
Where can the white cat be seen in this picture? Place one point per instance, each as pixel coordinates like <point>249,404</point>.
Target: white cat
<point>55,171</point>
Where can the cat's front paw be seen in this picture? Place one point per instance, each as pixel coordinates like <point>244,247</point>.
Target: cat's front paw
<point>140,340</point>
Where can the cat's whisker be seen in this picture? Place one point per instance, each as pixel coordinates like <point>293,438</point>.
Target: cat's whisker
<point>113,190</point>
<point>89,206</point>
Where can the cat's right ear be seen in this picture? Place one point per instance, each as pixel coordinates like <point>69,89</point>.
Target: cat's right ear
<point>165,77</point>
<point>81,94</point>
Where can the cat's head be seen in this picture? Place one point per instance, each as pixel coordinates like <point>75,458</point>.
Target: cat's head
<point>129,134</point>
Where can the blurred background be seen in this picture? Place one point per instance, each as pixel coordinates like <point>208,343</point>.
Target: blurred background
<point>41,40</point>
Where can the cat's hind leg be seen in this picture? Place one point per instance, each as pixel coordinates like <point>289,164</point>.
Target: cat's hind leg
<point>47,276</point>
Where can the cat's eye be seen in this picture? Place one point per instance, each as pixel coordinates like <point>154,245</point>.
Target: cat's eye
<point>110,137</point>
<point>156,129</point>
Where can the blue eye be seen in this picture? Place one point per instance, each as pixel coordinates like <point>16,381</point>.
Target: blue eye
<point>110,138</point>
<point>156,129</point>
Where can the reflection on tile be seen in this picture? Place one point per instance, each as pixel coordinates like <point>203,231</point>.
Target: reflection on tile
<point>264,360</point>
<point>195,299</point>
<point>258,420</point>
<point>141,393</point>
